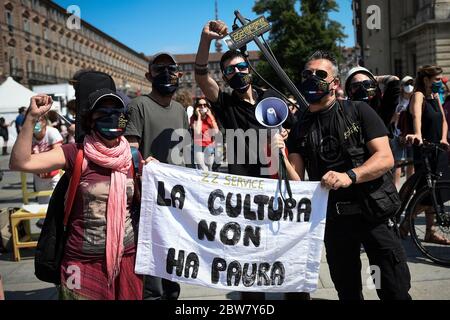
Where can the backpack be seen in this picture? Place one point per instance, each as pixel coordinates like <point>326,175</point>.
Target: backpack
<point>50,247</point>
<point>86,83</point>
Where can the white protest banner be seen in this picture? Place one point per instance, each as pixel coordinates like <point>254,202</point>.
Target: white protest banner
<point>221,231</point>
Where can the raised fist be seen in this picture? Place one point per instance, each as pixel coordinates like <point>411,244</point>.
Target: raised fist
<point>40,105</point>
<point>215,29</point>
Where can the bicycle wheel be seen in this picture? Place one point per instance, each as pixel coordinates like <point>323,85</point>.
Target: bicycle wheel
<point>422,217</point>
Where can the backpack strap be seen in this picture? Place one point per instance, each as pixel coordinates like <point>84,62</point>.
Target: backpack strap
<point>74,182</point>
<point>135,170</point>
<point>135,161</point>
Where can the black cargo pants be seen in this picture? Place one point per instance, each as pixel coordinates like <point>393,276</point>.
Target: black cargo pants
<point>343,238</point>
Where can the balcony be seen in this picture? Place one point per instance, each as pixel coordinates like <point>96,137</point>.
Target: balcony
<point>41,78</point>
<point>17,74</point>
<point>427,13</point>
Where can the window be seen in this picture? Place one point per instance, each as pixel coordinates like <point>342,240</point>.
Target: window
<point>26,25</point>
<point>398,67</point>
<point>9,20</point>
<point>30,66</point>
<point>45,33</point>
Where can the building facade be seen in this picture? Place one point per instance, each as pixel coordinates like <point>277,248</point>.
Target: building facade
<point>411,33</point>
<point>37,47</point>
<point>187,64</point>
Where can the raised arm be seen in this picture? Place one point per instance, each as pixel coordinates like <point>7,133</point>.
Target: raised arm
<point>212,30</point>
<point>21,157</point>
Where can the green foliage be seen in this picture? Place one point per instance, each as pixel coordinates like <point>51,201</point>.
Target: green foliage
<point>296,35</point>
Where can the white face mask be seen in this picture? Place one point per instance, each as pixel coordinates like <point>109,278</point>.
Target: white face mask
<point>408,89</point>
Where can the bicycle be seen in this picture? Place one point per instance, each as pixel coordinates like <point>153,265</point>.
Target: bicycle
<point>418,210</point>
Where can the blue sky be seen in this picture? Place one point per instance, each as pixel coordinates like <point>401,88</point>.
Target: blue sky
<point>150,26</point>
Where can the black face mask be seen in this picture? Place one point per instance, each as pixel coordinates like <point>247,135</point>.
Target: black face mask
<point>314,89</point>
<point>111,125</point>
<point>165,83</point>
<point>362,94</point>
<point>240,82</point>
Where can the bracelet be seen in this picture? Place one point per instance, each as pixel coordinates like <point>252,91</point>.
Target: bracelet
<point>201,71</point>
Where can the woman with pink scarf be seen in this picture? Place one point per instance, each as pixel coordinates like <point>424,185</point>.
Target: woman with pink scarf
<point>100,251</point>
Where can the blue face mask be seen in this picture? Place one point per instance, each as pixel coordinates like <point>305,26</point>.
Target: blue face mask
<point>37,128</point>
<point>436,87</point>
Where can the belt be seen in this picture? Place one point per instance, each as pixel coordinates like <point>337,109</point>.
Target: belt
<point>348,208</point>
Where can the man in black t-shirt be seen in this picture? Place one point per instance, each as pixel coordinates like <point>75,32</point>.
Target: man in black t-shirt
<point>236,111</point>
<point>326,142</point>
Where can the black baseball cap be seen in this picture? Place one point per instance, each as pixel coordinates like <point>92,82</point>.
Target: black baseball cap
<point>99,95</point>
<point>161,54</point>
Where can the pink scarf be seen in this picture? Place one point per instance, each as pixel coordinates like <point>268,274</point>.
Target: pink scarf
<point>118,159</point>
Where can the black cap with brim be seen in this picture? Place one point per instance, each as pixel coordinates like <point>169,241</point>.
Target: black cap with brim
<point>161,54</point>
<point>97,96</point>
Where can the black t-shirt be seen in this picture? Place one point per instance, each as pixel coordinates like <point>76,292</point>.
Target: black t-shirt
<point>331,156</point>
<point>234,113</point>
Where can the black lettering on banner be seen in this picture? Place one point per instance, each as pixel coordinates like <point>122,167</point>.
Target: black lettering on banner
<point>191,262</point>
<point>263,278</point>
<point>248,213</point>
<point>252,234</point>
<point>277,273</point>
<point>275,215</point>
<point>261,201</point>
<point>172,262</point>
<point>217,266</point>
<point>204,230</point>
<point>234,212</point>
<point>248,280</point>
<point>162,201</point>
<point>178,195</point>
<point>234,270</point>
<point>304,207</point>
<point>211,200</point>
<point>289,205</point>
<point>230,227</point>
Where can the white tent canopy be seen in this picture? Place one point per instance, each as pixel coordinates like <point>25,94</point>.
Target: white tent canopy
<point>13,95</point>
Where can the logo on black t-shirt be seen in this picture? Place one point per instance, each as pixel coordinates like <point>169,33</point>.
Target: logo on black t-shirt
<point>329,149</point>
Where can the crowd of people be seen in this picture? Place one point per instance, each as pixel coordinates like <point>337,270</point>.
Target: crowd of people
<point>353,135</point>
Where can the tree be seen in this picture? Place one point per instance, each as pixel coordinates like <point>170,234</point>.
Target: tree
<point>296,35</point>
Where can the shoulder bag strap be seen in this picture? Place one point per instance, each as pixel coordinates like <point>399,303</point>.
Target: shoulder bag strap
<point>74,182</point>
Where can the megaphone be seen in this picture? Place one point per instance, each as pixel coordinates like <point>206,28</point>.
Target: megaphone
<point>272,112</point>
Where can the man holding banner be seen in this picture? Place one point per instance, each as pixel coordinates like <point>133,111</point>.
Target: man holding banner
<point>236,111</point>
<point>345,146</point>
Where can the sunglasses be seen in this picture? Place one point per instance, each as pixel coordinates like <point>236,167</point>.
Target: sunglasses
<point>159,68</point>
<point>321,74</point>
<point>366,84</point>
<point>202,104</point>
<point>241,66</point>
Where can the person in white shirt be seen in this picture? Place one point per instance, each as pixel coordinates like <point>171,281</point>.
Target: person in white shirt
<point>45,138</point>
<point>402,152</point>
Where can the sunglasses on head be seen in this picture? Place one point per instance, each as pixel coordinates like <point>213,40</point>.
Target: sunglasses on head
<point>241,66</point>
<point>321,74</point>
<point>366,84</point>
<point>159,68</point>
